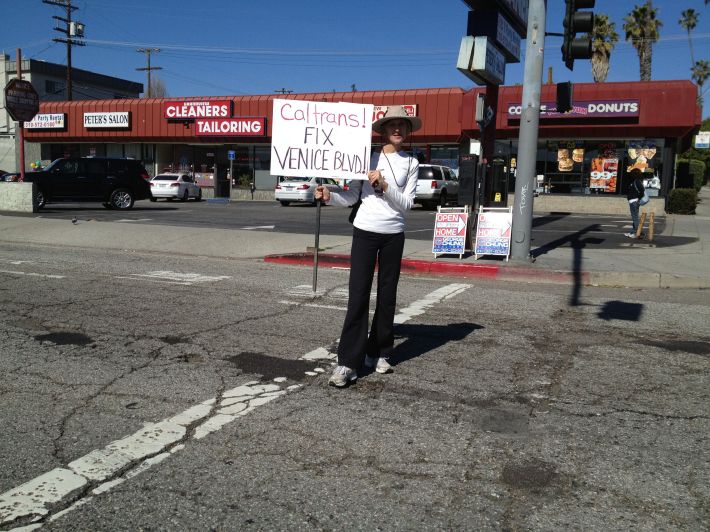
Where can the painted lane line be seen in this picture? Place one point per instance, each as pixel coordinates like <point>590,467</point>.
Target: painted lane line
<point>167,275</point>
<point>102,469</point>
<point>133,454</point>
<point>17,262</point>
<point>30,274</point>
<point>258,227</point>
<point>415,309</point>
<point>151,280</point>
<point>124,220</point>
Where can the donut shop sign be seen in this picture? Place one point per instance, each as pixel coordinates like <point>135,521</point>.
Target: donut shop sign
<point>587,109</point>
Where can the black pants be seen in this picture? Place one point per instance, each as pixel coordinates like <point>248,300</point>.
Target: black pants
<point>367,249</point>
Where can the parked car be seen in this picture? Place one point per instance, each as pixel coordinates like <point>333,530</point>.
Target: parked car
<point>172,186</point>
<point>117,183</point>
<point>9,177</point>
<point>436,185</point>
<point>302,189</point>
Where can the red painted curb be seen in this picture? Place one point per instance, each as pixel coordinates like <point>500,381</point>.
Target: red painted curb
<point>451,269</point>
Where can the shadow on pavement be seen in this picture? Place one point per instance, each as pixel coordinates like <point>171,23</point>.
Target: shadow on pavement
<point>421,339</point>
<point>618,310</point>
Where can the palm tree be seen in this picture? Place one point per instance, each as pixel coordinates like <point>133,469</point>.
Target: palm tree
<point>701,73</point>
<point>603,37</point>
<point>642,29</point>
<point>689,19</point>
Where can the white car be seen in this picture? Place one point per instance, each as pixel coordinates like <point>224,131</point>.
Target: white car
<point>302,189</point>
<point>436,185</point>
<point>170,186</point>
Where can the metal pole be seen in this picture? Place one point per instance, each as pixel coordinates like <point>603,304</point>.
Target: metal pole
<point>20,124</point>
<point>315,252</point>
<point>69,44</point>
<point>529,122</point>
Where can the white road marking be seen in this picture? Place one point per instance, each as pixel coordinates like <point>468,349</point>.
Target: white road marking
<point>316,305</point>
<point>415,309</point>
<point>30,274</point>
<point>135,220</point>
<point>17,262</point>
<point>157,441</point>
<point>151,280</point>
<point>175,277</point>
<point>258,227</point>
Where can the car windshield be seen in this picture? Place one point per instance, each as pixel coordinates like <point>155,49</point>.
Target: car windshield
<point>299,179</point>
<point>165,178</point>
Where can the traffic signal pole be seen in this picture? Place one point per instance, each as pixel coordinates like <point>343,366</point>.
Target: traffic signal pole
<point>529,122</point>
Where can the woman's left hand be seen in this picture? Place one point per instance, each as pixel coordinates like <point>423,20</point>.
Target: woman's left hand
<point>377,180</point>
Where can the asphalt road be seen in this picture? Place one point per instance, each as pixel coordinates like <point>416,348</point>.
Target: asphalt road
<point>509,408</point>
<point>602,231</point>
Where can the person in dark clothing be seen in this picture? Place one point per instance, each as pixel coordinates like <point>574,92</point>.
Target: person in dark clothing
<point>634,195</point>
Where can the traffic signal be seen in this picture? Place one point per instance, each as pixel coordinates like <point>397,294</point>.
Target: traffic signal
<point>564,100</point>
<point>576,22</point>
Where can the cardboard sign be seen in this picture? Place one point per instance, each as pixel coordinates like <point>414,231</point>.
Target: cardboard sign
<point>450,233</point>
<point>321,139</point>
<point>493,232</point>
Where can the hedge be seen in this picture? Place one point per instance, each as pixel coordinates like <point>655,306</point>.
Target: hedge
<point>682,201</point>
<point>690,173</point>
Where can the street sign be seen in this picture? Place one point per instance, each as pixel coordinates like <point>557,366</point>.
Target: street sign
<point>516,11</point>
<point>231,155</point>
<point>488,62</point>
<point>494,25</point>
<point>21,100</point>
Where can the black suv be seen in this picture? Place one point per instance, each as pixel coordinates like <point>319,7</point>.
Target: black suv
<point>115,182</point>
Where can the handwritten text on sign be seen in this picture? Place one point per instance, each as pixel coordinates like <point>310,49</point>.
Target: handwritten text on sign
<point>321,139</point>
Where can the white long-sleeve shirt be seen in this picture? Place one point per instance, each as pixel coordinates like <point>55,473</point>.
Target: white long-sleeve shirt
<point>383,213</point>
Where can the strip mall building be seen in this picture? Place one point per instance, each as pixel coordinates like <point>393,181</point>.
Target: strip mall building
<point>613,128</point>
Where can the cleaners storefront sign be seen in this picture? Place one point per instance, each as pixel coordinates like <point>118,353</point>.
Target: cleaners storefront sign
<point>321,139</point>
<point>107,120</point>
<point>190,110</point>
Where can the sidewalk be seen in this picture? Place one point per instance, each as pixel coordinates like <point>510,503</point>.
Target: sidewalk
<point>678,258</point>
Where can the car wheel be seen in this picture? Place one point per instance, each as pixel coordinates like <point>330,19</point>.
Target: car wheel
<point>443,199</point>
<point>199,195</point>
<point>185,196</point>
<point>285,203</point>
<point>121,199</point>
<point>40,199</point>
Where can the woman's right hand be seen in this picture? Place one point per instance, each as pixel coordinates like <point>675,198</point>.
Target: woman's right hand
<point>322,193</point>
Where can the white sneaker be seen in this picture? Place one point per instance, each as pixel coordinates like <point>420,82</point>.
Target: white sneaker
<point>630,235</point>
<point>381,364</point>
<point>342,376</point>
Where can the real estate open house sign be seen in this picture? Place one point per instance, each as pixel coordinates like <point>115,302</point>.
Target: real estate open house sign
<point>321,139</point>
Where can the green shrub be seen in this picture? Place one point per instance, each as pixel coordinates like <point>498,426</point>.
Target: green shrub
<point>690,173</point>
<point>697,170</point>
<point>682,201</point>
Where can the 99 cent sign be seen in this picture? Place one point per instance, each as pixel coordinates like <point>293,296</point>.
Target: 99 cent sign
<point>21,100</point>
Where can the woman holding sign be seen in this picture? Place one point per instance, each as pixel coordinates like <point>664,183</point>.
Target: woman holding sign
<point>378,238</point>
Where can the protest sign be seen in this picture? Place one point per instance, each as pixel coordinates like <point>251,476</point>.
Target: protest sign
<point>321,139</point>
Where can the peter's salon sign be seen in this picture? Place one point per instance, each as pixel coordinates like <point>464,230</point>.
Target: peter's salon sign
<point>107,120</point>
<point>190,110</point>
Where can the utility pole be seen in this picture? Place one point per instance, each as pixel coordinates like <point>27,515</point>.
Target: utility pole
<point>73,29</point>
<point>148,68</point>
<point>529,122</point>
<point>284,91</point>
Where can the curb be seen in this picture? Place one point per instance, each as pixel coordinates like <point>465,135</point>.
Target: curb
<point>444,269</point>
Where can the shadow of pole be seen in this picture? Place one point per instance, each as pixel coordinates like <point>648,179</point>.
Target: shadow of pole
<point>577,243</point>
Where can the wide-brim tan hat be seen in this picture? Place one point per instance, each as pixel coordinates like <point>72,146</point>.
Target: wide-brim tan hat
<point>396,111</point>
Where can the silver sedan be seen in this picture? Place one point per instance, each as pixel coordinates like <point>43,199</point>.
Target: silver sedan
<point>302,189</point>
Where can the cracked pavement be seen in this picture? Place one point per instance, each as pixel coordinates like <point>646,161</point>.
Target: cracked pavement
<point>510,407</point>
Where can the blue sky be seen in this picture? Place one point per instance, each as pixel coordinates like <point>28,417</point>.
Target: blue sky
<point>215,47</point>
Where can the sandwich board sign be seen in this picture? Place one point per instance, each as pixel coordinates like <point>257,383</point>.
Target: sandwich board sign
<point>493,231</point>
<point>450,231</point>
